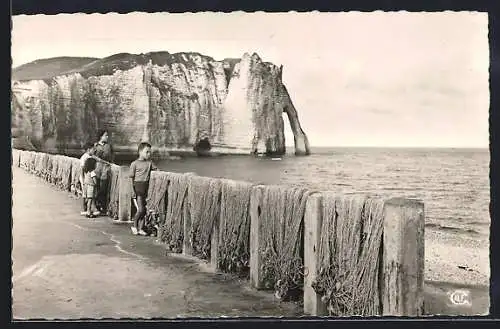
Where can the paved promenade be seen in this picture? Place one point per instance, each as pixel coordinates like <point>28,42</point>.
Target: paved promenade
<point>66,266</point>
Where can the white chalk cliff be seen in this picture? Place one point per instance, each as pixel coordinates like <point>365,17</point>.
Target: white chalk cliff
<point>177,102</point>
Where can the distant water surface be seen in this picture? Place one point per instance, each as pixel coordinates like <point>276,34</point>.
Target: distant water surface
<point>453,183</point>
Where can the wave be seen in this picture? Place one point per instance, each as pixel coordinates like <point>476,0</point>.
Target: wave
<point>452,229</point>
<point>479,223</point>
<point>417,188</point>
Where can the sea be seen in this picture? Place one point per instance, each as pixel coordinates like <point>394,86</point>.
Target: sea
<point>452,183</point>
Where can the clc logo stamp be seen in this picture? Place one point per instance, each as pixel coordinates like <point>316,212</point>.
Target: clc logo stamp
<point>460,297</point>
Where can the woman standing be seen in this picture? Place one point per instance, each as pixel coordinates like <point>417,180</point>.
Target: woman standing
<point>104,151</point>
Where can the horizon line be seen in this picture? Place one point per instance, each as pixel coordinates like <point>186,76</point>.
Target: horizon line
<point>395,146</point>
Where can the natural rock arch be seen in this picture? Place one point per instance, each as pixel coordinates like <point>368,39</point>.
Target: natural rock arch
<point>300,139</point>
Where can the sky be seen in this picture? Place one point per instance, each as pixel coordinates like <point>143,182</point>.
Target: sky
<point>379,79</point>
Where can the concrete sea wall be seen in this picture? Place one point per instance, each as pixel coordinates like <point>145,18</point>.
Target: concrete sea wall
<point>341,255</point>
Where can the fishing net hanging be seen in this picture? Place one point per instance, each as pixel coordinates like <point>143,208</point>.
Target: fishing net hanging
<point>55,169</point>
<point>155,203</point>
<point>38,170</point>
<point>114,191</point>
<point>38,164</point>
<point>59,171</point>
<point>26,160</point>
<point>22,159</point>
<point>32,161</point>
<point>16,156</point>
<point>62,175</point>
<point>29,159</point>
<point>48,169</point>
<point>46,166</point>
<point>66,174</point>
<point>281,221</point>
<point>350,242</point>
<point>156,194</point>
<point>31,164</point>
<point>234,234</point>
<point>41,164</point>
<point>76,171</point>
<point>204,206</point>
<point>173,225</point>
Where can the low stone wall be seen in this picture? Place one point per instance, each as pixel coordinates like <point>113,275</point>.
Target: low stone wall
<point>342,255</point>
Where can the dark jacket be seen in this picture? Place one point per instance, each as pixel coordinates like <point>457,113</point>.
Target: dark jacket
<point>104,151</point>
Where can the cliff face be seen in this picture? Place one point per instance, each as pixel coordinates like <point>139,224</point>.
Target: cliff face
<point>174,101</point>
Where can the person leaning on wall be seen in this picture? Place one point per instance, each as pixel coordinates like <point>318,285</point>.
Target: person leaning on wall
<point>104,151</point>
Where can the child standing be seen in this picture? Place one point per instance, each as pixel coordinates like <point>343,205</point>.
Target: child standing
<point>140,172</point>
<point>89,184</point>
<point>89,152</point>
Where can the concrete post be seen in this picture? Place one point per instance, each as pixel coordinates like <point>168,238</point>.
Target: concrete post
<point>125,195</point>
<point>313,220</point>
<point>402,290</point>
<point>256,238</point>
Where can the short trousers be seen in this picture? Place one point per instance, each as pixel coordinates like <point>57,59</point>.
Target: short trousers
<point>141,189</point>
<point>88,191</point>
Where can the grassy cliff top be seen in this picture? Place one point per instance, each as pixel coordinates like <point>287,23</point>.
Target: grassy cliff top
<point>49,67</point>
<point>44,69</point>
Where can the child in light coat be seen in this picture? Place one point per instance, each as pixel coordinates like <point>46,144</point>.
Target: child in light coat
<point>89,152</point>
<point>89,185</point>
